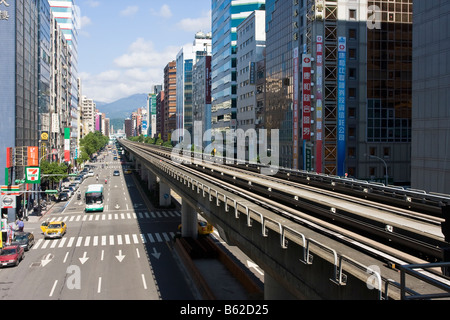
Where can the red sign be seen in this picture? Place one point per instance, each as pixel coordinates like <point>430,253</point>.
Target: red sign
<point>9,159</point>
<point>33,156</point>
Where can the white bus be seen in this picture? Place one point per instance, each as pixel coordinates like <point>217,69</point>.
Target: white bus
<point>94,198</point>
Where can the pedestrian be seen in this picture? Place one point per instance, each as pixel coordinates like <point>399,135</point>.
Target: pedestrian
<point>20,225</point>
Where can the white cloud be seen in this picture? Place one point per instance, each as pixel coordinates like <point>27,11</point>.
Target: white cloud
<point>202,23</point>
<point>143,54</point>
<point>92,3</point>
<point>164,12</point>
<point>129,11</point>
<point>136,71</point>
<point>85,21</point>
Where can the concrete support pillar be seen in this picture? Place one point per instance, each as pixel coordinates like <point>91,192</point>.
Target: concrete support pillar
<point>274,291</point>
<point>144,174</point>
<point>188,221</point>
<point>151,181</point>
<point>164,195</point>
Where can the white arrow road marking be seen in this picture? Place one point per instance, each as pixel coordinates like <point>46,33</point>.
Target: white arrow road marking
<point>84,259</point>
<point>156,254</point>
<point>46,260</point>
<point>251,264</point>
<point>120,257</point>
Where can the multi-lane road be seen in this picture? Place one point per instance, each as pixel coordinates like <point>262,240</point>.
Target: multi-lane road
<point>121,253</point>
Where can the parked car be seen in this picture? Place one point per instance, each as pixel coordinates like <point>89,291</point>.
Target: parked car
<point>11,255</point>
<point>55,229</point>
<point>68,191</point>
<point>63,196</point>
<point>24,240</point>
<point>74,186</point>
<point>90,174</point>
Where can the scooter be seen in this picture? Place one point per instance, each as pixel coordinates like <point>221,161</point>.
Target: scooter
<point>106,181</point>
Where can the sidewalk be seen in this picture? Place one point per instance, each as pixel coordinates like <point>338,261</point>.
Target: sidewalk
<point>35,218</point>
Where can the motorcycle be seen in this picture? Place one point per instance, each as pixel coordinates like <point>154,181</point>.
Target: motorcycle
<point>106,181</point>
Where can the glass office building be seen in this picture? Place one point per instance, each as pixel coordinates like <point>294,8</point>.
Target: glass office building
<point>19,81</point>
<point>279,76</point>
<point>226,16</point>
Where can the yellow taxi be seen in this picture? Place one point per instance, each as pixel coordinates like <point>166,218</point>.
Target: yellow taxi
<point>203,227</point>
<point>127,171</point>
<point>55,229</point>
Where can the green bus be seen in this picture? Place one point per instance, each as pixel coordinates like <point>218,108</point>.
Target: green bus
<point>94,198</point>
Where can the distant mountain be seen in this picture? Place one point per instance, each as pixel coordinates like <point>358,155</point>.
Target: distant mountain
<point>122,109</point>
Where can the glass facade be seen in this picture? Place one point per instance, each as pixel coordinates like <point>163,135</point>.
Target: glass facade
<point>279,76</point>
<point>44,65</point>
<point>19,78</point>
<point>389,73</point>
<point>226,16</point>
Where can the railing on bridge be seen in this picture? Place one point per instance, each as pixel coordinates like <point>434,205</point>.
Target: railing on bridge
<point>338,276</point>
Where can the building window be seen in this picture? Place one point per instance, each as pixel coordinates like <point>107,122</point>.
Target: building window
<point>352,14</point>
<point>352,34</point>
<point>352,93</point>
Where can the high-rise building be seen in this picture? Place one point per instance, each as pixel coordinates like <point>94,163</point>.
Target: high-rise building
<point>279,107</point>
<point>59,91</point>
<point>19,81</point>
<point>226,16</point>
<point>251,45</point>
<point>170,99</point>
<point>45,73</point>
<point>66,14</point>
<point>187,57</point>
<point>430,150</point>
<point>88,108</point>
<point>201,98</point>
<point>160,114</point>
<point>338,86</point>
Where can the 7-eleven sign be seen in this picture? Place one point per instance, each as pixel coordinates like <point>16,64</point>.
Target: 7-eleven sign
<point>33,175</point>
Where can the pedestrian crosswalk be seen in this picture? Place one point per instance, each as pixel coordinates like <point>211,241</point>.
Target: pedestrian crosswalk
<point>117,216</point>
<point>103,240</point>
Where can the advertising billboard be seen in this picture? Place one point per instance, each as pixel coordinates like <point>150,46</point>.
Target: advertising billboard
<point>341,105</point>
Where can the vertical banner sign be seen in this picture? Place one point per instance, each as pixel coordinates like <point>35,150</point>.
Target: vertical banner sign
<point>319,107</point>
<point>341,104</point>
<point>306,67</point>
<point>33,156</point>
<point>66,144</point>
<point>295,106</point>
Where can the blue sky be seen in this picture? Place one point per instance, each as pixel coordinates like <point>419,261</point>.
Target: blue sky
<point>123,46</point>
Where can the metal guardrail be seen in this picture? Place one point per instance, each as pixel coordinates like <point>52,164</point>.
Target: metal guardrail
<point>338,276</point>
<point>412,270</point>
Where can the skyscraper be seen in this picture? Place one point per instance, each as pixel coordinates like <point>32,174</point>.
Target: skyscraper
<point>19,81</point>
<point>226,16</point>
<point>66,14</point>
<point>338,86</point>
<point>170,89</point>
<point>430,150</point>
<point>187,57</point>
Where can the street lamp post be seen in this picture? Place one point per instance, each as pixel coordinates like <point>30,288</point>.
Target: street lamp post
<point>385,167</point>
